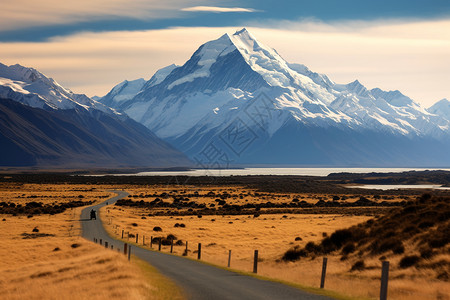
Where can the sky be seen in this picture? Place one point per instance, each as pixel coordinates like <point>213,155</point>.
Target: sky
<point>89,46</point>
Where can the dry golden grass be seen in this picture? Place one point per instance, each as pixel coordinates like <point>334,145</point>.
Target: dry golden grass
<point>272,235</point>
<point>50,267</point>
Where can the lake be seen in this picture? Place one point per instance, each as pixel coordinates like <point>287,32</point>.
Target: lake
<point>385,187</point>
<point>275,171</point>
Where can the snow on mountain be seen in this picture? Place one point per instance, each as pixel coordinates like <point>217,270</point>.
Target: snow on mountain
<point>186,105</point>
<point>30,87</point>
<point>46,125</point>
<point>441,108</point>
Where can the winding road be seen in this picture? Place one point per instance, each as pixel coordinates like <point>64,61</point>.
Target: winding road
<point>197,280</point>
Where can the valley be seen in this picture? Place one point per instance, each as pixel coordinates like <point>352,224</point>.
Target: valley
<point>289,233</point>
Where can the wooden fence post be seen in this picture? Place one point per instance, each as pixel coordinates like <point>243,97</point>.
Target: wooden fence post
<point>137,237</point>
<point>125,248</point>
<point>129,252</point>
<point>199,252</point>
<point>112,246</point>
<point>101,242</point>
<point>122,233</point>
<point>255,262</point>
<point>151,242</point>
<point>384,280</point>
<point>171,246</point>
<point>143,240</point>
<point>106,245</point>
<point>229,258</point>
<point>186,247</point>
<point>159,244</point>
<point>324,272</point>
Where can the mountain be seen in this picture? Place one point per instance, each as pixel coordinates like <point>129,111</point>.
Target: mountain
<point>46,125</point>
<point>441,108</point>
<point>241,101</point>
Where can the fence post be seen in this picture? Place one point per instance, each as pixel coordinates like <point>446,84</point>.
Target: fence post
<point>186,247</point>
<point>125,248</point>
<point>229,258</point>
<point>159,244</point>
<point>106,244</point>
<point>255,262</point>
<point>384,280</point>
<point>129,252</point>
<point>324,272</point>
<point>151,242</point>
<point>112,246</point>
<point>171,246</point>
<point>122,233</point>
<point>137,237</point>
<point>101,242</point>
<point>143,240</point>
<point>199,253</point>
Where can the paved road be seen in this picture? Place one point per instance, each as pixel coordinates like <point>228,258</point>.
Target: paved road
<point>198,280</point>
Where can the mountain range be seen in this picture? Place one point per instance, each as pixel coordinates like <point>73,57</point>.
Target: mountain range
<point>44,125</point>
<point>238,102</point>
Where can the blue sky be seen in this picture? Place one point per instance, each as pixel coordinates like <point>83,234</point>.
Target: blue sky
<point>90,45</point>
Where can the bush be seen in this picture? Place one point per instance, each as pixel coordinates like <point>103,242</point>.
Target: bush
<point>298,238</point>
<point>358,266</point>
<point>157,228</point>
<point>408,261</point>
<point>348,248</point>
<point>134,224</point>
<point>294,254</point>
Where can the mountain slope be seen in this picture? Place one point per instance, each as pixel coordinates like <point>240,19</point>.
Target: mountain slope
<point>236,84</point>
<point>441,108</point>
<point>44,125</point>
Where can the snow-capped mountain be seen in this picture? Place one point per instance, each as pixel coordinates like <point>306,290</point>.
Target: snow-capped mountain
<point>441,108</point>
<point>30,87</point>
<point>293,115</point>
<point>43,124</point>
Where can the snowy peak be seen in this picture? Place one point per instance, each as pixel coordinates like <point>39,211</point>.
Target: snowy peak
<point>30,87</point>
<point>124,91</point>
<point>441,108</point>
<point>160,75</point>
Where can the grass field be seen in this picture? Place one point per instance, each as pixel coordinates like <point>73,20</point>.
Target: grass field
<point>271,235</point>
<point>43,257</point>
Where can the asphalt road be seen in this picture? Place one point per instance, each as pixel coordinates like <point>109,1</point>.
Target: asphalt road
<point>198,280</point>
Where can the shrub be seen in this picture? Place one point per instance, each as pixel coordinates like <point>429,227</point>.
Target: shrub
<point>171,237</point>
<point>294,254</point>
<point>408,261</point>
<point>358,266</point>
<point>348,248</point>
<point>134,224</point>
<point>157,228</point>
<point>298,238</point>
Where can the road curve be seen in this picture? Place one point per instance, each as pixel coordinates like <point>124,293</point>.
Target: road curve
<point>198,280</point>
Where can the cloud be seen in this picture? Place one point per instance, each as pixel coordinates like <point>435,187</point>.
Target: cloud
<point>216,9</point>
<point>409,56</point>
<point>19,14</point>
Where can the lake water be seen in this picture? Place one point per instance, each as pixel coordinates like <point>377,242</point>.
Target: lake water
<point>385,187</point>
<point>276,171</point>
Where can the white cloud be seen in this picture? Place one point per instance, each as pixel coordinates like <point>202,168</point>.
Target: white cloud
<point>217,9</point>
<point>412,57</point>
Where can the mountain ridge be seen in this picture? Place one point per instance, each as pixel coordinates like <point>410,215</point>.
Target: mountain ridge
<point>47,126</point>
<point>216,85</point>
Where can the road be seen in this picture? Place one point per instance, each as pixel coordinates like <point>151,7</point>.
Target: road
<point>197,280</point>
